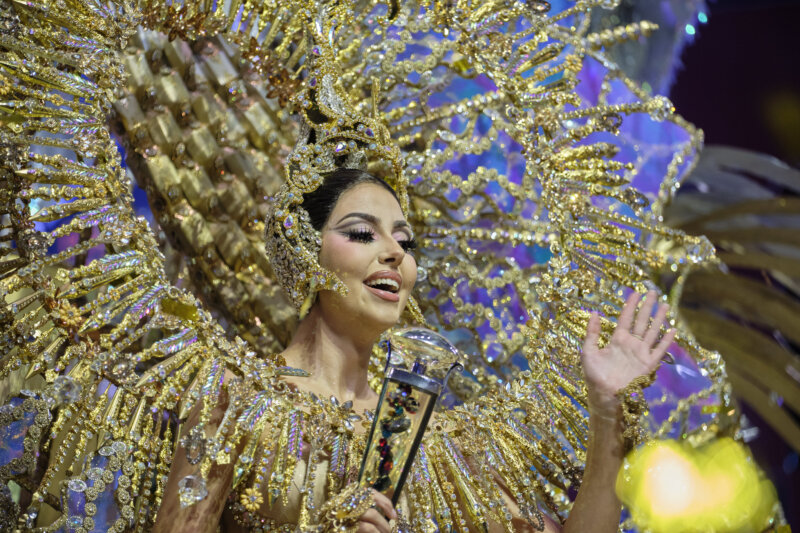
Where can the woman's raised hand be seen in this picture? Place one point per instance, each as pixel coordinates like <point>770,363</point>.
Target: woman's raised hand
<point>633,350</point>
<point>372,520</point>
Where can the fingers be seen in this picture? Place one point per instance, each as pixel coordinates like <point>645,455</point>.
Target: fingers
<point>384,504</point>
<point>651,335</point>
<point>375,519</point>
<point>643,314</point>
<point>626,316</point>
<point>592,333</point>
<point>638,323</point>
<point>372,521</point>
<point>662,346</point>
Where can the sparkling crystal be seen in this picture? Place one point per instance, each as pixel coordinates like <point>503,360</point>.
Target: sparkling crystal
<point>121,368</point>
<point>635,198</point>
<point>76,485</point>
<point>415,159</point>
<point>191,490</point>
<point>30,521</point>
<point>66,390</point>
<point>397,425</point>
<point>700,251</point>
<point>611,121</point>
<point>195,445</point>
<point>661,108</point>
<point>106,451</point>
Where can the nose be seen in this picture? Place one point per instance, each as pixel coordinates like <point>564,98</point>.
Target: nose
<point>393,254</point>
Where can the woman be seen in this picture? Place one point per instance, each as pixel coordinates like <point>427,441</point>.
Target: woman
<point>367,243</point>
<point>103,353</point>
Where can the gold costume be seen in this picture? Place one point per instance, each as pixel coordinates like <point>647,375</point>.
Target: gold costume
<point>114,332</point>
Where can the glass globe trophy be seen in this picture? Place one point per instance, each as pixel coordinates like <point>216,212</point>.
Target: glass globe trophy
<point>407,400</point>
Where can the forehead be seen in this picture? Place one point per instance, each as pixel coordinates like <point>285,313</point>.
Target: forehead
<point>369,198</point>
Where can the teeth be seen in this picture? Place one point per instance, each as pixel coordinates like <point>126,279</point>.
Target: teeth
<point>384,281</point>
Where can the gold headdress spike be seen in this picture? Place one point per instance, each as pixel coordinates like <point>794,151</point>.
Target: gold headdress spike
<point>333,135</point>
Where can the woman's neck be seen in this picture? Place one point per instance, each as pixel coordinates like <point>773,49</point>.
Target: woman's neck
<point>338,362</point>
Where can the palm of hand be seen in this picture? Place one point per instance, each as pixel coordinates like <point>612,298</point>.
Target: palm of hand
<point>633,350</point>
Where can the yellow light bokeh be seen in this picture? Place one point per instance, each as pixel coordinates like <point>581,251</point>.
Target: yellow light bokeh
<point>669,478</point>
<point>674,487</point>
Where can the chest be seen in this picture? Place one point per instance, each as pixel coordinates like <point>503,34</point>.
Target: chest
<point>301,458</point>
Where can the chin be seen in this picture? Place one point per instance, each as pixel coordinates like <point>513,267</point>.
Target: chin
<point>384,319</point>
<point>382,316</point>
<point>389,322</point>
<point>361,314</point>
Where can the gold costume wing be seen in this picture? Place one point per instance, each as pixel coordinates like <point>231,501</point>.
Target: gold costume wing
<point>746,204</point>
<point>524,190</point>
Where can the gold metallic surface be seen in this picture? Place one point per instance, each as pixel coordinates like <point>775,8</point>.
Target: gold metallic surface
<point>201,96</point>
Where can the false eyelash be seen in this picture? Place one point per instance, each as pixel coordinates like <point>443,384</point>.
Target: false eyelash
<point>363,235</point>
<point>360,235</point>
<point>409,245</point>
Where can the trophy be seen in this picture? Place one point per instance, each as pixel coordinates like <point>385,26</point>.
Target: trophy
<point>407,400</point>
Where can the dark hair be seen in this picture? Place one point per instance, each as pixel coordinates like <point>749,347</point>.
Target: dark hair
<point>320,202</point>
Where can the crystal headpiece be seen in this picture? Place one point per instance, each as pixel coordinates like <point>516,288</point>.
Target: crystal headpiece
<point>333,135</point>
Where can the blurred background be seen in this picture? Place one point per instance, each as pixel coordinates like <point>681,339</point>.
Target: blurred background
<point>731,68</point>
<point>738,76</point>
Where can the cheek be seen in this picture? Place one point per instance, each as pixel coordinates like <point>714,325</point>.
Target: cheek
<point>340,255</point>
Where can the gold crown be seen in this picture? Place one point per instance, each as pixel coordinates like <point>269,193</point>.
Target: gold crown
<point>333,135</point>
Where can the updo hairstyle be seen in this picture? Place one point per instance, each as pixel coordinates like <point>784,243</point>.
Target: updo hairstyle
<point>320,203</point>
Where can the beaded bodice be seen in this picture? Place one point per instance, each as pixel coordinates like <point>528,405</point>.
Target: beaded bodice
<point>309,450</point>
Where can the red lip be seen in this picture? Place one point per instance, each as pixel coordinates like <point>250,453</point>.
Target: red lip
<point>385,295</point>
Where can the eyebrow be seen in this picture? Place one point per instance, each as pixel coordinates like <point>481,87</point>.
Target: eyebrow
<point>372,219</point>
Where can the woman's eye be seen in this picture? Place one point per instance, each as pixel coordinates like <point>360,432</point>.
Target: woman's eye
<point>408,245</point>
<point>360,235</point>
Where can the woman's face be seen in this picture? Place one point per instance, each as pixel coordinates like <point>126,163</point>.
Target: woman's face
<point>365,243</point>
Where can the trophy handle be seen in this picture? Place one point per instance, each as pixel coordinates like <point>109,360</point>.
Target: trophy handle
<point>454,366</point>
<point>387,344</point>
